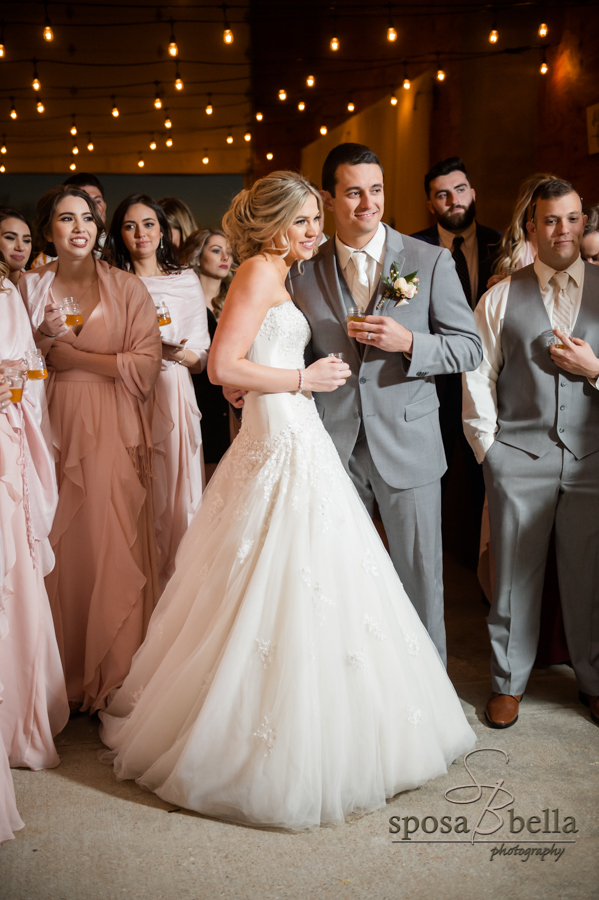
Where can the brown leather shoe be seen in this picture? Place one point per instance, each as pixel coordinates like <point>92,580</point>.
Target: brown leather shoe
<point>502,710</point>
<point>592,703</point>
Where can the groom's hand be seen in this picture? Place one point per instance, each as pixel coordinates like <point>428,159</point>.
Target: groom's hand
<point>382,332</point>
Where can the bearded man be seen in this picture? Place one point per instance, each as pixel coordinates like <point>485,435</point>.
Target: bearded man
<point>452,201</point>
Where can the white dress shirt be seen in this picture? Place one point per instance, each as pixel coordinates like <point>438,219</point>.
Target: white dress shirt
<point>373,257</point>
<point>480,387</point>
<point>469,249</point>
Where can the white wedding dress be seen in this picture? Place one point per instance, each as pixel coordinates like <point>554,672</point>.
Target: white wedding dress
<point>286,679</point>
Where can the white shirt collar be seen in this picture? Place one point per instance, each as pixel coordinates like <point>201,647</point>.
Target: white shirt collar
<point>545,273</point>
<point>375,248</point>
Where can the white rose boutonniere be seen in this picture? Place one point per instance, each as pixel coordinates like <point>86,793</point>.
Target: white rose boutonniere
<point>400,289</point>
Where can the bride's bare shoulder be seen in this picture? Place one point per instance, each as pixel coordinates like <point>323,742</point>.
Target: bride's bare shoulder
<point>257,267</point>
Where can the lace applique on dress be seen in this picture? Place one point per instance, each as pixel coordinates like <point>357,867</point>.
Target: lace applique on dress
<point>414,716</point>
<point>266,733</point>
<point>357,659</point>
<point>243,552</point>
<point>266,651</point>
<point>412,644</point>
<point>369,565</point>
<point>372,626</point>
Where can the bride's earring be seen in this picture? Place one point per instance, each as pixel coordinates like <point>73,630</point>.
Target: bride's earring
<point>161,242</point>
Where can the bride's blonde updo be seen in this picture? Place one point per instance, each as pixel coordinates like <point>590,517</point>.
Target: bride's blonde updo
<point>266,211</point>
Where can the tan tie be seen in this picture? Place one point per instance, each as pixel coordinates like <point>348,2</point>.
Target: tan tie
<point>562,305</point>
<point>360,285</point>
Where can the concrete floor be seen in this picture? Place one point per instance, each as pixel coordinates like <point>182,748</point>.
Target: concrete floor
<point>89,837</point>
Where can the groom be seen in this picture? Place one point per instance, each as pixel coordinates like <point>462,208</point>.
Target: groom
<point>385,421</point>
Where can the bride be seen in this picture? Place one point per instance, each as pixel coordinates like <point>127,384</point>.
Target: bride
<point>286,679</point>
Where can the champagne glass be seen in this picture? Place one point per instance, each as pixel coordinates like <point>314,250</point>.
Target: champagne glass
<point>36,365</point>
<point>72,311</point>
<point>164,316</point>
<point>355,314</point>
<point>16,380</point>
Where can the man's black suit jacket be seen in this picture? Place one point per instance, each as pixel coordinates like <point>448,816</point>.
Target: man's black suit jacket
<point>488,248</point>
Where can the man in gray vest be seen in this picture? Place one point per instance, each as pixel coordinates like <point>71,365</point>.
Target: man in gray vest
<point>531,415</point>
<point>385,421</point>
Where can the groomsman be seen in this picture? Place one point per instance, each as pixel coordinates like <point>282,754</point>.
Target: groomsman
<point>384,422</point>
<point>452,201</point>
<point>531,415</point>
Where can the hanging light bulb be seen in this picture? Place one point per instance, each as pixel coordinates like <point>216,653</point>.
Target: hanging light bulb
<point>229,139</point>
<point>13,109</point>
<point>73,128</point>
<point>282,94</point>
<point>407,84</point>
<point>75,150</point>
<point>301,106</point>
<point>494,36</point>
<point>35,84</point>
<point>323,129</point>
<point>544,67</point>
<point>394,101</point>
<point>391,33</point>
<point>140,161</point>
<point>2,47</point>
<point>90,143</point>
<point>543,30</point>
<point>157,98</point>
<point>3,169</point>
<point>334,43</point>
<point>351,106</point>
<point>178,82</point>
<point>172,47</point>
<point>209,109</point>
<point>310,81</point>
<point>169,142</point>
<point>115,109</point>
<point>48,33</point>
<point>40,106</point>
<point>153,144</point>
<point>259,116</point>
<point>205,160</point>
<point>168,123</point>
<point>227,33</point>
<point>247,136</point>
<point>441,75</point>
<point>269,156</point>
<point>3,148</point>
<point>72,167</point>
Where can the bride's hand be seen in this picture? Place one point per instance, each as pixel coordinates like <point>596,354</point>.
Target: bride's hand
<point>326,374</point>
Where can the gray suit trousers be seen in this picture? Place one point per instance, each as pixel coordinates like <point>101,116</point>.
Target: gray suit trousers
<point>527,495</point>
<point>412,520</point>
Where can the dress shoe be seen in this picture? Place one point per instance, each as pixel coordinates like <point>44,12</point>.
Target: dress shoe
<point>592,703</point>
<point>502,710</point>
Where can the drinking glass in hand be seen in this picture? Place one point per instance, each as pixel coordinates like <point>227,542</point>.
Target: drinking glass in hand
<point>164,316</point>
<point>72,311</point>
<point>355,314</point>
<point>36,365</point>
<point>15,379</point>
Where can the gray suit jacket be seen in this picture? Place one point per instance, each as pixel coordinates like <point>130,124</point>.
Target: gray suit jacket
<point>395,399</point>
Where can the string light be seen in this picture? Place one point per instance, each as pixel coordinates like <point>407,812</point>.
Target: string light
<point>90,143</point>
<point>35,84</point>
<point>227,33</point>
<point>494,36</point>
<point>407,84</point>
<point>153,144</point>
<point>543,30</point>
<point>115,109</point>
<point>229,139</point>
<point>391,34</point>
<point>73,128</point>
<point>169,142</point>
<point>205,160</point>
<point>172,47</point>
<point>40,106</point>
<point>247,136</point>
<point>310,81</point>
<point>269,156</point>
<point>13,109</point>
<point>301,106</point>
<point>351,106</point>
<point>259,116</point>
<point>140,161</point>
<point>323,129</point>
<point>394,101</point>
<point>48,33</point>
<point>2,47</point>
<point>3,169</point>
<point>334,43</point>
<point>168,123</point>
<point>72,167</point>
<point>157,97</point>
<point>3,148</point>
<point>209,109</point>
<point>282,94</point>
<point>544,67</point>
<point>178,81</point>
<point>75,150</point>
<point>440,72</point>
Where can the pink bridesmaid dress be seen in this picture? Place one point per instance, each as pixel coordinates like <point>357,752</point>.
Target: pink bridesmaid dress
<point>104,586</point>
<point>175,416</point>
<point>34,703</point>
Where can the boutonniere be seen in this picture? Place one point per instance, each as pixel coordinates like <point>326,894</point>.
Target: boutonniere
<point>399,289</point>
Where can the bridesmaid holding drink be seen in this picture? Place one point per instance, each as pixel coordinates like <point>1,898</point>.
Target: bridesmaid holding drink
<point>101,372</point>
<point>139,238</point>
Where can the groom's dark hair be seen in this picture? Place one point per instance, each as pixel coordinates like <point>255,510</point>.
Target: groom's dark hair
<point>350,154</point>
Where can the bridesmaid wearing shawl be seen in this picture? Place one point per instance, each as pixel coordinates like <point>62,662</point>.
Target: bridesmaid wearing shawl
<point>34,702</point>
<point>139,238</point>
<point>104,585</point>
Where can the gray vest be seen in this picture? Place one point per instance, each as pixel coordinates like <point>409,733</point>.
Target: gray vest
<point>538,403</point>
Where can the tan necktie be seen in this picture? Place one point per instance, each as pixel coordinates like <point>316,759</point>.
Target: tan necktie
<point>562,304</point>
<point>360,284</point>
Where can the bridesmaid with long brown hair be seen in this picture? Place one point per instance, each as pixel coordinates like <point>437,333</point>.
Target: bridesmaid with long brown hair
<point>104,359</point>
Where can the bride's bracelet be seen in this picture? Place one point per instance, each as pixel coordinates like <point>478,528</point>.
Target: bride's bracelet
<point>46,335</point>
<point>181,361</point>
<point>300,386</point>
